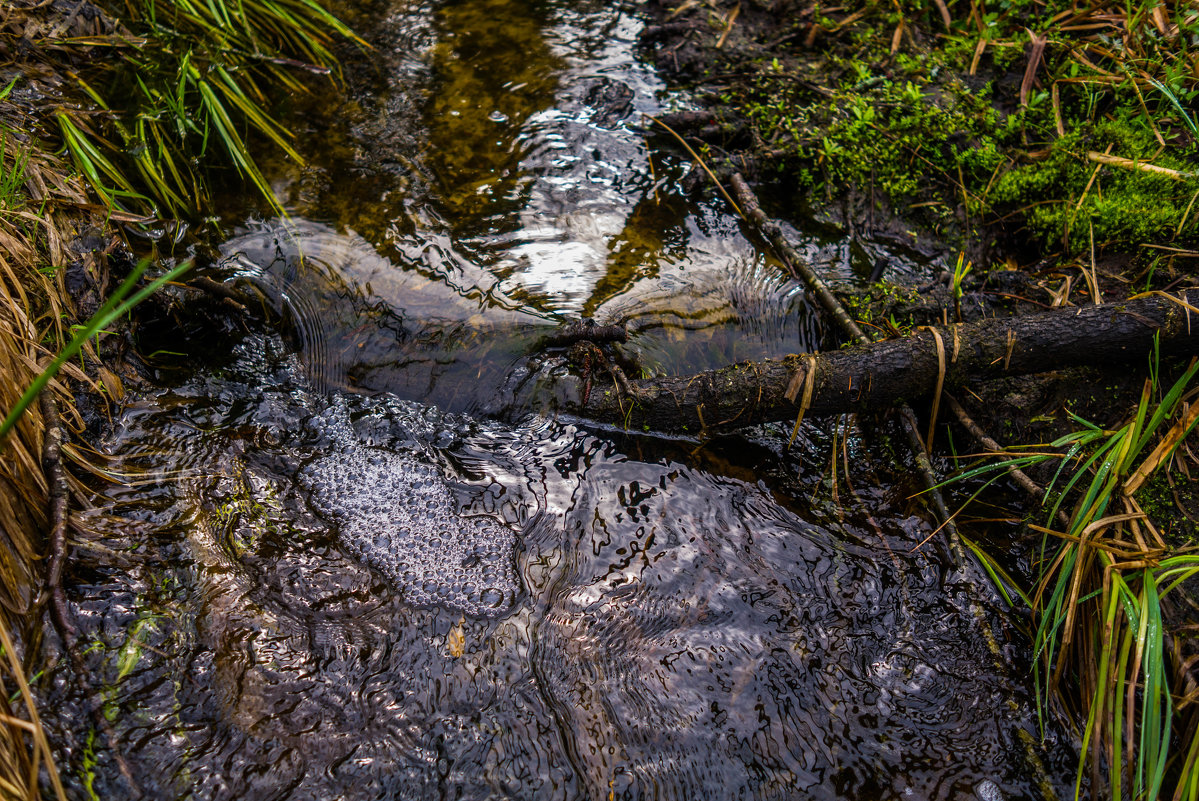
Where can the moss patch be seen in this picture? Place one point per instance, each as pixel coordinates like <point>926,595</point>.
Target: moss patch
<point>1034,126</point>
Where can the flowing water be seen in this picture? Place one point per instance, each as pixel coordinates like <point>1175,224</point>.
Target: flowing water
<point>347,559</point>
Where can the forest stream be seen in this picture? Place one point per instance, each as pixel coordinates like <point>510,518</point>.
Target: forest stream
<point>350,557</point>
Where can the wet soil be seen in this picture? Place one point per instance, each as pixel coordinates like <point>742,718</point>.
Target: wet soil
<point>719,50</point>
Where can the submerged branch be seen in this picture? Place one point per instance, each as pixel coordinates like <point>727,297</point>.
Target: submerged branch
<point>1034,490</point>
<point>795,264</point>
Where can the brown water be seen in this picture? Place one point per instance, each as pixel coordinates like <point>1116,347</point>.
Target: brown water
<point>348,560</point>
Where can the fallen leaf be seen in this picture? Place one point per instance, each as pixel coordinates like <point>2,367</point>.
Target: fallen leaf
<point>456,639</point>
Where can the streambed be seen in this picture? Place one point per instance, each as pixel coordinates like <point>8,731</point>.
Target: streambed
<point>349,559</point>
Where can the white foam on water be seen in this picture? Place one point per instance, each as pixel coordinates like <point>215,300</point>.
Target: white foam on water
<point>397,514</point>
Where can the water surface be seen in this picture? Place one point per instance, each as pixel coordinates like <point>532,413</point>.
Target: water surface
<point>348,559</point>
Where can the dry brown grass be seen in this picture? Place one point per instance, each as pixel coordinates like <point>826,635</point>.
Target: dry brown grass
<point>32,312</point>
<point>37,217</point>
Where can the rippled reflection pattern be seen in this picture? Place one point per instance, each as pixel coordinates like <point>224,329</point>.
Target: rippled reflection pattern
<point>668,633</point>
<point>304,590</point>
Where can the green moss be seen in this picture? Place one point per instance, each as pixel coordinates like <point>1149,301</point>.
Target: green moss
<point>918,128</point>
<point>873,131</point>
<point>87,767</point>
<point>1156,498</point>
<point>876,308</point>
<point>1120,205</point>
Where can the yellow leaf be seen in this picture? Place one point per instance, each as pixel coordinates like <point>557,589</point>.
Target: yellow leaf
<point>456,639</point>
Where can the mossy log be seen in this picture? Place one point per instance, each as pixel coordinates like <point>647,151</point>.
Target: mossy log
<point>884,374</point>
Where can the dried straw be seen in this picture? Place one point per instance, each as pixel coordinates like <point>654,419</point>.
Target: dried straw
<point>32,313</point>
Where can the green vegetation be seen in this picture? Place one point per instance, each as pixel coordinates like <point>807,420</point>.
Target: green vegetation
<point>869,131</point>
<point>1102,641</point>
<point>12,168</point>
<point>249,514</point>
<point>1130,207</point>
<point>960,271</point>
<point>884,309</point>
<point>87,767</point>
<point>119,304</point>
<point>187,86</point>
<point>1073,123</point>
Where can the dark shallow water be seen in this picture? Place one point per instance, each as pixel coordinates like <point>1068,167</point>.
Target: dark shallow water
<point>573,620</point>
<point>346,559</point>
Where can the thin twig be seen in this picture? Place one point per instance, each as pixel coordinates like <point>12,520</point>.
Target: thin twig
<point>1130,164</point>
<point>60,611</point>
<point>220,290</point>
<point>796,265</point>
<point>1027,484</point>
<point>701,162</point>
<point>801,269</point>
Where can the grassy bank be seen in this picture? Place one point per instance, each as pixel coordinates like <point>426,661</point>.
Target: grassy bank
<point>1112,584</point>
<point>113,117</point>
<point>1014,128</point>
<point>31,317</point>
<point>1059,141</point>
<point>1070,126</point>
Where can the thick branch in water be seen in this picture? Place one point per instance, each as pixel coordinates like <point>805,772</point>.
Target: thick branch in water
<point>885,374</point>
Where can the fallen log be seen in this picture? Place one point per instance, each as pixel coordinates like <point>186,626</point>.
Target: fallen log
<point>888,373</point>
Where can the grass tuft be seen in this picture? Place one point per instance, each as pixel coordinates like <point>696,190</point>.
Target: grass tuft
<point>185,91</point>
<point>32,315</point>
<point>1102,646</point>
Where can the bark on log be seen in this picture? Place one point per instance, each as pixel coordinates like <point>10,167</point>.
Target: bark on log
<point>884,374</point>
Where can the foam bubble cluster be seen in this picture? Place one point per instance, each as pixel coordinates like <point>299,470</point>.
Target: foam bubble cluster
<point>397,514</point>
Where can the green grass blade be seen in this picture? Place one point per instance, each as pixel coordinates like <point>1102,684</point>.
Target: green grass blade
<point>998,575</point>
<point>1186,118</point>
<point>233,144</point>
<point>1169,403</point>
<point>1095,712</point>
<point>113,308</point>
<point>1116,764</point>
<point>1098,494</point>
<point>1157,709</point>
<point>254,114</point>
<point>1077,476</point>
<point>93,164</point>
